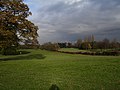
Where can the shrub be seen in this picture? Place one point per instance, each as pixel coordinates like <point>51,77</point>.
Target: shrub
<point>28,46</point>
<point>50,46</point>
<point>111,53</point>
<point>23,52</point>
<point>9,51</point>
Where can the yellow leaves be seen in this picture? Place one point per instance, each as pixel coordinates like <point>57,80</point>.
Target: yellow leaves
<point>7,38</point>
<point>13,20</point>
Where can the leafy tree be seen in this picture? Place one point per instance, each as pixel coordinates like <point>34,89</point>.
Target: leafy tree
<point>86,45</point>
<point>14,26</point>
<point>50,46</point>
<point>114,44</point>
<point>62,45</point>
<point>92,42</point>
<point>106,43</point>
<point>89,46</point>
<point>78,43</point>
<point>69,45</point>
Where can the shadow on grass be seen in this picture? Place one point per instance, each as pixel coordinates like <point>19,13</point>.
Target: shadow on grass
<point>54,87</point>
<point>24,52</point>
<point>26,57</point>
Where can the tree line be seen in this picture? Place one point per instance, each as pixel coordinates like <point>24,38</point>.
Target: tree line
<point>88,43</point>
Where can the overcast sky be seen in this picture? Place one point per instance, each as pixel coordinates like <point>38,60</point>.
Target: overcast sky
<point>69,20</point>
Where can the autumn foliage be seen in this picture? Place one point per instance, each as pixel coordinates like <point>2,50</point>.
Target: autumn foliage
<point>14,25</point>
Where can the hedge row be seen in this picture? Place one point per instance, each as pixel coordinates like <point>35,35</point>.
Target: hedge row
<point>105,53</point>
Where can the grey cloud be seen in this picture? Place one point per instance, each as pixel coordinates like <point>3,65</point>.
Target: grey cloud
<point>61,20</point>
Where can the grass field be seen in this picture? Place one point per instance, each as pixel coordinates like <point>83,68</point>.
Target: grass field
<point>72,50</point>
<point>39,69</point>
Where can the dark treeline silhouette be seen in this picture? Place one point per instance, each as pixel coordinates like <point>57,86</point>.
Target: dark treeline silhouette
<point>104,44</point>
<point>90,43</point>
<point>103,47</point>
<point>92,47</point>
<point>50,46</point>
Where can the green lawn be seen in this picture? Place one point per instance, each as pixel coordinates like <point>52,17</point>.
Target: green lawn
<point>40,69</point>
<point>72,50</point>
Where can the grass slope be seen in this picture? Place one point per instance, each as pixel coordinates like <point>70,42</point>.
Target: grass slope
<point>40,69</point>
<point>72,50</point>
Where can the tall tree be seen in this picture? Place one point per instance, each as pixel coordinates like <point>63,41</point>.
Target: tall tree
<point>78,43</point>
<point>106,43</point>
<point>14,25</point>
<point>92,42</point>
<point>114,44</point>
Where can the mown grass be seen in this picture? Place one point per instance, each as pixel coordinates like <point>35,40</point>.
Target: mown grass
<point>39,69</point>
<point>72,50</point>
